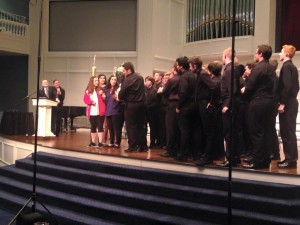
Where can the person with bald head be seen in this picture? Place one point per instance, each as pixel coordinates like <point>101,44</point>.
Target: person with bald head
<point>288,88</point>
<point>47,91</point>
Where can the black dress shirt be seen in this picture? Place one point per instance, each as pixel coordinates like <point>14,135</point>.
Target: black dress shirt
<point>205,87</point>
<point>288,86</point>
<point>170,90</point>
<point>226,87</point>
<point>133,88</point>
<point>261,82</point>
<point>186,88</point>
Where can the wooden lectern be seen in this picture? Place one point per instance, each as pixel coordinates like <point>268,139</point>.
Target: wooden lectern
<point>44,120</point>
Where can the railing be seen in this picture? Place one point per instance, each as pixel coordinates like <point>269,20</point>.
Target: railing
<point>13,28</point>
<point>12,24</point>
<point>12,17</point>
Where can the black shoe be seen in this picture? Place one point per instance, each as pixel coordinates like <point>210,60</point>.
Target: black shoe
<point>92,144</point>
<point>131,150</point>
<point>246,154</point>
<point>100,145</point>
<point>285,164</point>
<point>203,161</point>
<point>167,155</point>
<point>115,146</point>
<point>257,166</point>
<point>248,159</point>
<point>142,149</point>
<point>181,158</point>
<point>226,163</point>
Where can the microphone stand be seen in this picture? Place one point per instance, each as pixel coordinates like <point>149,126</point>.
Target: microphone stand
<point>29,95</point>
<point>34,216</point>
<point>232,108</point>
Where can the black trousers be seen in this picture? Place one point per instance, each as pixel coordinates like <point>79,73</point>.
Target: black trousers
<point>57,113</point>
<point>185,123</point>
<point>218,149</point>
<point>206,116</point>
<point>115,128</point>
<point>153,120</point>
<point>272,138</point>
<point>260,121</point>
<point>135,120</point>
<point>172,130</point>
<point>232,136</point>
<point>287,122</point>
<point>162,125</point>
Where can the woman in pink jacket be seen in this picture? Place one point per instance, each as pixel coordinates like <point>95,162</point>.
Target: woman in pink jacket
<point>95,111</point>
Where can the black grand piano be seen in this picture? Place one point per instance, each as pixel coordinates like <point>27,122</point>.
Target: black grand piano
<point>70,112</point>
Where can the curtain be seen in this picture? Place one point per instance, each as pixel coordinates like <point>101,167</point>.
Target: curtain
<point>290,29</point>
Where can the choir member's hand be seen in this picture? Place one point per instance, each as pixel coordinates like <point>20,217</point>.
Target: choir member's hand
<point>243,90</point>
<point>281,108</point>
<point>225,109</point>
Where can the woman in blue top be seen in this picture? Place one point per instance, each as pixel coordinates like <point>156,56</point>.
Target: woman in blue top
<point>113,112</point>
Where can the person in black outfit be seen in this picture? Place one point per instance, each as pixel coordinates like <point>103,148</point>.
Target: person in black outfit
<point>152,110</point>
<point>214,70</point>
<point>163,106</point>
<point>170,92</point>
<point>133,93</point>
<point>205,106</point>
<point>186,106</point>
<point>272,136</point>
<point>259,89</point>
<point>288,88</point>
<point>244,110</point>
<point>230,110</point>
<point>57,112</point>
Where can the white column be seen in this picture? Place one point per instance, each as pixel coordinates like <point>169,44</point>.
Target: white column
<point>265,21</point>
<point>144,37</point>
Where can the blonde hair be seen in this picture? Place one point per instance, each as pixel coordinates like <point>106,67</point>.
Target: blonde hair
<point>290,49</point>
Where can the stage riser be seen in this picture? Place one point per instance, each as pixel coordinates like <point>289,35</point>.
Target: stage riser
<point>202,181</point>
<point>102,194</point>
<point>99,194</point>
<point>130,195</point>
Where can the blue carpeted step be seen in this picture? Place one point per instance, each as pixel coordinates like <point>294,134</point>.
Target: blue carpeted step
<point>214,182</point>
<point>177,191</point>
<point>240,217</point>
<point>211,196</point>
<point>133,195</point>
<point>121,196</point>
<point>63,216</point>
<point>196,180</point>
<point>102,209</point>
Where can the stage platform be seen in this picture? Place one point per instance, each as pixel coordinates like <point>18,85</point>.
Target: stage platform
<point>74,144</point>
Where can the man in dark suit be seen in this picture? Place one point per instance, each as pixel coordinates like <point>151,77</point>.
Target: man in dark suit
<point>47,91</point>
<point>288,88</point>
<point>57,111</point>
